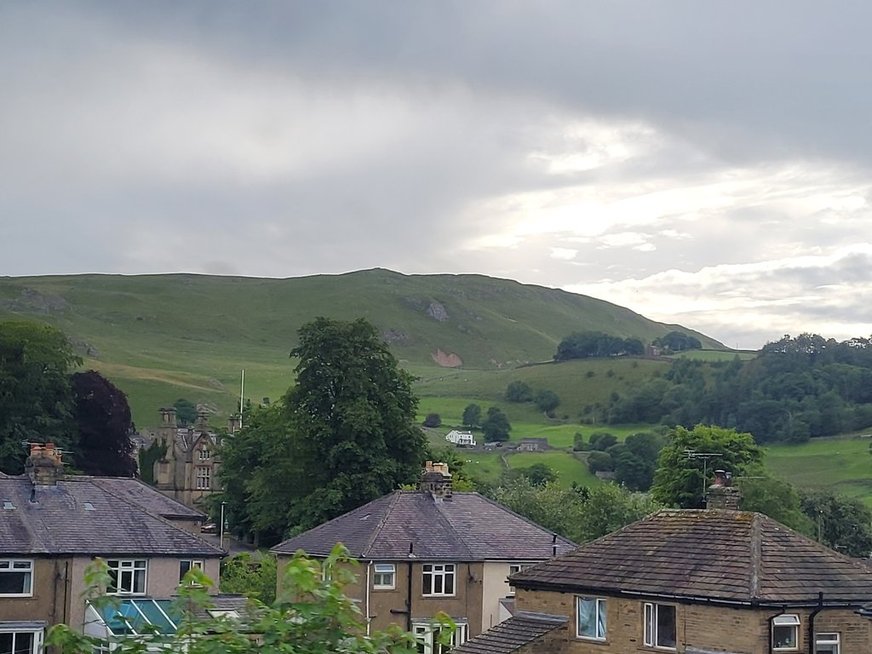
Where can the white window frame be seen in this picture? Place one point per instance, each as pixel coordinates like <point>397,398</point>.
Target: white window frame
<point>384,576</point>
<point>204,454</point>
<point>36,642</point>
<point>789,621</point>
<point>515,568</point>
<point>22,567</point>
<point>650,618</point>
<point>425,635</point>
<point>192,564</point>
<point>600,609</point>
<point>203,480</point>
<point>831,640</point>
<point>128,568</point>
<point>436,575</point>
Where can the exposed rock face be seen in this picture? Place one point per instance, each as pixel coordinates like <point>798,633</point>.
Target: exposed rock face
<point>447,359</point>
<point>437,312</point>
<point>31,300</point>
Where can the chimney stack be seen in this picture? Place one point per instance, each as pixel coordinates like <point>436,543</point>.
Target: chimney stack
<point>44,466</point>
<point>168,418</point>
<point>722,494</point>
<point>234,423</point>
<point>202,423</point>
<point>436,480</point>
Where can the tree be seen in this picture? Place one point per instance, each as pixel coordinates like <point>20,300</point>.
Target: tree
<point>777,499</point>
<point>472,415</point>
<point>843,523</point>
<point>609,507</point>
<point>519,391</point>
<point>186,412</point>
<point>539,474</point>
<point>36,402</point>
<point>679,479</point>
<point>433,420</point>
<point>600,462</point>
<point>602,440</point>
<point>103,418</point>
<point>547,401</point>
<point>313,615</point>
<point>496,425</point>
<point>676,341</point>
<point>252,575</point>
<point>352,412</point>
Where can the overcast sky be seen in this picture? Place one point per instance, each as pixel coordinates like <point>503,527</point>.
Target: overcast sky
<point>706,163</point>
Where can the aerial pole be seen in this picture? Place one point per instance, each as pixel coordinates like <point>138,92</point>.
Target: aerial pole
<point>241,396</point>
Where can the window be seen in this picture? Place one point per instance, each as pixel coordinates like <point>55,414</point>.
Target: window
<point>186,565</point>
<point>16,578</point>
<point>514,568</point>
<point>20,642</point>
<point>204,477</point>
<point>204,454</point>
<point>127,577</point>
<point>384,575</point>
<point>826,643</point>
<point>427,637</point>
<point>660,625</point>
<point>591,616</point>
<point>785,631</point>
<point>438,579</point>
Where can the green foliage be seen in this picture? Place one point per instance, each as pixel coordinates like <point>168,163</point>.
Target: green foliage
<point>472,415</point>
<point>519,391</point>
<point>460,478</point>
<point>433,420</point>
<point>547,401</point>
<point>578,444</point>
<point>103,418</point>
<point>496,426</point>
<point>579,514</point>
<point>676,341</point>
<point>679,479</point>
<point>600,462</point>
<point>186,412</point>
<point>777,499</point>
<point>585,345</point>
<point>539,474</point>
<point>635,460</point>
<point>251,575</point>
<point>148,456</point>
<point>844,524</point>
<point>36,401</point>
<point>313,615</point>
<point>602,440</point>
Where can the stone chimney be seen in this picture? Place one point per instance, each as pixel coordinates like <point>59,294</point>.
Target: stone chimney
<point>202,423</point>
<point>436,480</point>
<point>44,466</point>
<point>722,494</point>
<point>168,418</point>
<point>234,423</point>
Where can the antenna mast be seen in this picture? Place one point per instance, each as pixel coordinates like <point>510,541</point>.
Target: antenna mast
<point>241,396</point>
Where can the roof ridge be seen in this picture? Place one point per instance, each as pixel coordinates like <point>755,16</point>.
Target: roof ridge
<point>457,535</point>
<point>395,498</point>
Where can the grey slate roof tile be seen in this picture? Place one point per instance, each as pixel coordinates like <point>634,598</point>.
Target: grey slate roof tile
<point>731,556</point>
<point>512,634</point>
<point>79,516</point>
<point>143,495</point>
<point>468,527</point>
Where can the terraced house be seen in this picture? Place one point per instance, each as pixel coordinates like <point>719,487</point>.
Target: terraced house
<point>692,581</point>
<point>432,550</point>
<point>52,528</point>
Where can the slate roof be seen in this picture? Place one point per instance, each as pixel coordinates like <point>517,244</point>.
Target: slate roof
<point>80,516</point>
<point>512,634</point>
<point>467,527</point>
<point>144,496</point>
<point>711,555</point>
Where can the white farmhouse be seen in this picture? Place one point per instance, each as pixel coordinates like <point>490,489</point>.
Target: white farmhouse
<point>460,438</point>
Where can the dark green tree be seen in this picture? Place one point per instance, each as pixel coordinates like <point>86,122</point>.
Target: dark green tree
<point>432,420</point>
<point>36,400</point>
<point>679,479</point>
<point>352,412</point>
<point>539,474</point>
<point>676,341</point>
<point>186,412</point>
<point>104,424</point>
<point>472,415</point>
<point>547,401</point>
<point>496,426</point>
<point>519,391</point>
<point>843,523</point>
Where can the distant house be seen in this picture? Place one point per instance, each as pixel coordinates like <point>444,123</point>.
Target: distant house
<point>460,438</point>
<point>51,529</point>
<point>533,445</point>
<point>432,550</point>
<point>694,582</point>
<point>188,471</point>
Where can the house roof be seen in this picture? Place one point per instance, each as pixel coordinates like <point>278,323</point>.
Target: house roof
<point>144,496</point>
<point>711,555</point>
<point>512,634</point>
<point>467,527</point>
<point>83,516</point>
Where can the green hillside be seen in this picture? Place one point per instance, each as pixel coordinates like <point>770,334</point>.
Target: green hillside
<point>160,337</point>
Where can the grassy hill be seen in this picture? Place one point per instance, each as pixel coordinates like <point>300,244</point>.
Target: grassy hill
<point>161,337</point>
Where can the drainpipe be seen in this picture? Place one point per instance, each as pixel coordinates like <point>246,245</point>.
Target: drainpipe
<point>811,617</point>
<point>409,589</point>
<point>368,586</point>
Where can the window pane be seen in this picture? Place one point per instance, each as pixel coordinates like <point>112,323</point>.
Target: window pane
<point>601,618</point>
<point>449,584</point>
<point>23,643</point>
<point>665,626</point>
<point>587,617</point>
<point>649,624</point>
<point>14,582</point>
<point>784,637</point>
<point>6,643</point>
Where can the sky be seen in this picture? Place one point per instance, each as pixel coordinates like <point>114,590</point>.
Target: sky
<point>703,163</point>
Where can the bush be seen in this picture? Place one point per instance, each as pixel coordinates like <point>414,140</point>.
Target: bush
<point>547,401</point>
<point>600,461</point>
<point>519,391</point>
<point>578,444</point>
<point>602,440</point>
<point>432,420</point>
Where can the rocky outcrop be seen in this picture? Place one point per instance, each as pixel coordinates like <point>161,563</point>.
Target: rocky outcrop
<point>447,359</point>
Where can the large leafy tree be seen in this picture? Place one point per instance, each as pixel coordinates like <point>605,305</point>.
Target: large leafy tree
<point>843,523</point>
<point>690,454</point>
<point>36,401</point>
<point>103,417</point>
<point>352,412</point>
<point>496,425</point>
